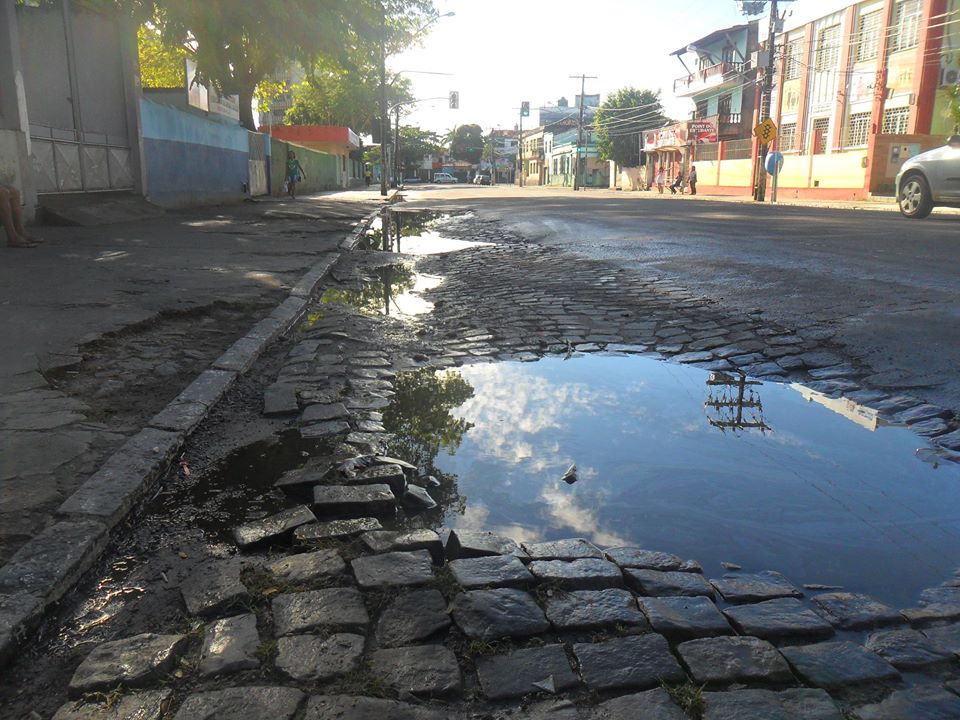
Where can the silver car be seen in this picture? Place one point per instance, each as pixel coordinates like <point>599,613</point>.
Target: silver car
<point>930,179</point>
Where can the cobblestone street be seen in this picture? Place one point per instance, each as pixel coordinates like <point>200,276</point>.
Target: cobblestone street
<point>294,564</point>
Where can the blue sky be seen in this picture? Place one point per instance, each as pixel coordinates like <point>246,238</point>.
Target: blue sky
<point>503,51</point>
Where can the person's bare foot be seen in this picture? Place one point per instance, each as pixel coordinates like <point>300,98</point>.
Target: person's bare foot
<point>20,242</point>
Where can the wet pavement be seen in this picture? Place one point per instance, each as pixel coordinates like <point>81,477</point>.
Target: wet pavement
<point>525,364</point>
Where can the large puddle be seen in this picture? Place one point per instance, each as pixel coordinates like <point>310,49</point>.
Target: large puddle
<point>673,458</point>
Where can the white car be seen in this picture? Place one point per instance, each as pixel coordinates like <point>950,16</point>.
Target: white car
<point>442,177</point>
<point>930,179</point>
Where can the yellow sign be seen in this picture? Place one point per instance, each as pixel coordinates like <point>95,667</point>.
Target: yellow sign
<point>766,131</point>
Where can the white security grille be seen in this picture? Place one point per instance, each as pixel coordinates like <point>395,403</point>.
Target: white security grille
<point>858,129</point>
<point>896,121</point>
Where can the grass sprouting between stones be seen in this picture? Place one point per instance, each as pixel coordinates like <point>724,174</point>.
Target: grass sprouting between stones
<point>688,696</point>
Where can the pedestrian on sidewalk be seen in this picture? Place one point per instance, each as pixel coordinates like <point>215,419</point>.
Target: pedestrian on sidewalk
<point>659,180</point>
<point>692,180</point>
<point>11,217</point>
<point>295,173</point>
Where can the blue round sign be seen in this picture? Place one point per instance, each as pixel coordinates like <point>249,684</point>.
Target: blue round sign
<point>774,163</point>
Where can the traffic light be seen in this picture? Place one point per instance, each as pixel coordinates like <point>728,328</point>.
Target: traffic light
<point>525,109</point>
<point>454,100</point>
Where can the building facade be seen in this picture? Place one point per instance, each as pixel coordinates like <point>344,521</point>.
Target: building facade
<point>531,158</point>
<point>560,159</point>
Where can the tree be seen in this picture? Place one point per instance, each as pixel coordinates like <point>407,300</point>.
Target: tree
<point>238,45</point>
<point>621,118</point>
<point>161,66</point>
<point>953,106</point>
<point>466,143</point>
<point>414,144</point>
<point>343,93</point>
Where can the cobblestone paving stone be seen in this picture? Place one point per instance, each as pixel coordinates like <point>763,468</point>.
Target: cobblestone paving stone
<point>362,621</point>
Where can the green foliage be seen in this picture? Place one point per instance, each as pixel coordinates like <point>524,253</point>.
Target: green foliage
<point>161,65</point>
<point>414,144</point>
<point>953,107</point>
<point>466,143</point>
<point>621,118</point>
<point>344,92</point>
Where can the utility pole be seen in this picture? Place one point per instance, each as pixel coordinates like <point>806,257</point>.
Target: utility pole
<point>730,409</point>
<point>520,148</point>
<point>493,159</point>
<point>583,86</point>
<point>384,118</point>
<point>766,98</point>
<point>397,170</point>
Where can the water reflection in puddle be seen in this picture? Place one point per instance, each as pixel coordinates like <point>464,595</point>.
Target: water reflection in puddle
<point>411,232</point>
<point>700,464</point>
<point>396,290</point>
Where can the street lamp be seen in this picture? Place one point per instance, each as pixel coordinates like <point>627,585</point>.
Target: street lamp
<point>384,117</point>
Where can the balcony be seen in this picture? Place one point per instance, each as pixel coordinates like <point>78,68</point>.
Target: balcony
<point>709,77</point>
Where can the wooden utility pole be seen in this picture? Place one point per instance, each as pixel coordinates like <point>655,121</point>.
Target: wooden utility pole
<point>384,119</point>
<point>735,406</point>
<point>583,85</point>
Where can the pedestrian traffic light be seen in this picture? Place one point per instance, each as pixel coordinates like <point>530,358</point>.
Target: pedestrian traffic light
<point>454,100</point>
<point>525,109</point>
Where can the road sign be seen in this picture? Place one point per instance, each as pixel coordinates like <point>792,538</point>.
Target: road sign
<point>766,131</point>
<point>774,163</point>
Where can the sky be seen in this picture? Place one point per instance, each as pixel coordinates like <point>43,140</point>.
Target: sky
<point>501,52</point>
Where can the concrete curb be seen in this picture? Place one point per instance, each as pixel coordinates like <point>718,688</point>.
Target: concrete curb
<point>45,568</point>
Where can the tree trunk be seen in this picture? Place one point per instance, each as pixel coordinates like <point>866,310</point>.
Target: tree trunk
<point>246,107</point>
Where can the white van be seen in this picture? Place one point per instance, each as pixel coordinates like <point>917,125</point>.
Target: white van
<point>442,177</point>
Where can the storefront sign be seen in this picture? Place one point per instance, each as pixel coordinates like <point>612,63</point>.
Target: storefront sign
<point>702,131</point>
<point>670,136</point>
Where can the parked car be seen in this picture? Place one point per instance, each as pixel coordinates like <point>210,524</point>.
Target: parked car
<point>930,179</point>
<point>481,179</point>
<point>442,177</point>
<point>411,180</point>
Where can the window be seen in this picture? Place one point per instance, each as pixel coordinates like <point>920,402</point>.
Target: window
<point>858,129</point>
<point>895,121</point>
<point>821,126</point>
<point>701,109</point>
<point>828,49</point>
<point>868,36</point>
<point>788,138</point>
<point>792,58</point>
<point>906,25</point>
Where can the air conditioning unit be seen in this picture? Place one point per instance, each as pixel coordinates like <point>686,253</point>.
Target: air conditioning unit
<point>759,58</point>
<point>950,68</point>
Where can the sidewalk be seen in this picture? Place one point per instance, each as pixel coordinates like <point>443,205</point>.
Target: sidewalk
<point>125,316</point>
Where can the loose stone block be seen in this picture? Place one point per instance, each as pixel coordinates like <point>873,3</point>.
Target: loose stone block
<point>685,617</point>
<point>655,583</point>
<point>132,662</point>
<point>335,609</point>
<point>633,662</point>
<point>392,475</point>
<point>320,412</point>
<point>907,649</point>
<point>631,557</point>
<point>493,614</point>
<point>587,574</point>
<point>525,671</point>
<point>146,705</point>
<point>272,527</point>
<point>381,541</point>
<point>295,480</point>
<point>734,660</point>
<point>310,657</point>
<point>396,569</point>
<point>493,571</point>
<point>932,612</point>
<point>324,429</point>
<point>835,664</point>
<point>307,566</point>
<point>945,636</point>
<point>248,703</point>
<point>647,705</point>
<point>470,544</point>
<point>417,498</point>
<point>412,618</point>
<point>792,704</point>
<point>230,645</point>
<point>280,399</point>
<point>586,609</point>
<point>781,618</point>
<point>349,707</point>
<point>853,611</point>
<point>335,529</point>
<point>354,500</point>
<point>924,702</point>
<point>766,585</point>
<point>213,587</point>
<point>572,549</point>
<point>423,670</point>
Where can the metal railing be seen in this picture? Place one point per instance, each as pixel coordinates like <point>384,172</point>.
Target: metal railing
<point>703,75</point>
<point>706,151</point>
<point>738,149</point>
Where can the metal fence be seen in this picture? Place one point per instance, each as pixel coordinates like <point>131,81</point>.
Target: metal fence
<point>738,149</point>
<point>707,151</point>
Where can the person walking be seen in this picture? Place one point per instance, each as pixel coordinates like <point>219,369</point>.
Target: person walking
<point>659,179</point>
<point>692,180</point>
<point>11,219</point>
<point>295,173</point>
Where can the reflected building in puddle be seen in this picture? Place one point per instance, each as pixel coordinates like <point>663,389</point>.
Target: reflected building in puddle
<point>734,403</point>
<point>862,415</point>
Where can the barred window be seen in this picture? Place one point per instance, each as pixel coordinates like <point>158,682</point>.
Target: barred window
<point>828,49</point>
<point>792,58</point>
<point>868,36</point>
<point>858,129</point>
<point>906,25</point>
<point>821,126</point>
<point>788,137</point>
<point>895,121</point>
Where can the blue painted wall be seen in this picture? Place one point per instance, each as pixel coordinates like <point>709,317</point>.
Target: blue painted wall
<point>190,160</point>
